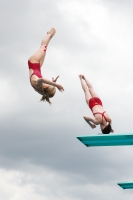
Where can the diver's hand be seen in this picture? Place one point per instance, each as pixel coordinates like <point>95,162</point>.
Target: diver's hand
<point>60,88</point>
<point>54,80</point>
<point>93,126</point>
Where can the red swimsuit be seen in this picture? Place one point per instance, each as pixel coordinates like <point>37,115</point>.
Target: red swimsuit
<point>96,101</point>
<point>36,71</point>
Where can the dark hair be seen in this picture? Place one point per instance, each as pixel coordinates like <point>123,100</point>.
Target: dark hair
<point>107,129</point>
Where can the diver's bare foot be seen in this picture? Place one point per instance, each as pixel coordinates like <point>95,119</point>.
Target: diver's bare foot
<point>52,32</point>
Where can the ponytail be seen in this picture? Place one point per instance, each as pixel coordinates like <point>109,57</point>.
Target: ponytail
<point>45,97</point>
<point>48,92</point>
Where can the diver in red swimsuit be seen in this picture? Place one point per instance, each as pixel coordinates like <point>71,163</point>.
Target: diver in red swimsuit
<point>95,104</point>
<point>40,84</point>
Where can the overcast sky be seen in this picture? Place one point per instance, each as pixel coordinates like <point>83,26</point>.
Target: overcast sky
<point>40,157</point>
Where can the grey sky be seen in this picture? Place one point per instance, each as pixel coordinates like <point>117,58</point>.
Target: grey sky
<point>40,157</point>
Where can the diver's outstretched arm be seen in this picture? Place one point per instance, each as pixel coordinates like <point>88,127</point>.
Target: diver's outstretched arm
<point>89,120</point>
<point>44,80</point>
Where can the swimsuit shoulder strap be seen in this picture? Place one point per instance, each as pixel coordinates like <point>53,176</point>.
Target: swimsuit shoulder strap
<point>103,116</point>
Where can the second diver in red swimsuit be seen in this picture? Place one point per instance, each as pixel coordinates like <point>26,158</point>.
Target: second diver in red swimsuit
<point>40,84</point>
<point>95,104</point>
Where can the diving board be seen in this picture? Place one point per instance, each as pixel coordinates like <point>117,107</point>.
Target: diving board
<point>107,140</point>
<point>126,185</point>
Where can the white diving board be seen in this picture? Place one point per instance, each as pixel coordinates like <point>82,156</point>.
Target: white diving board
<point>126,185</point>
<point>107,140</point>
